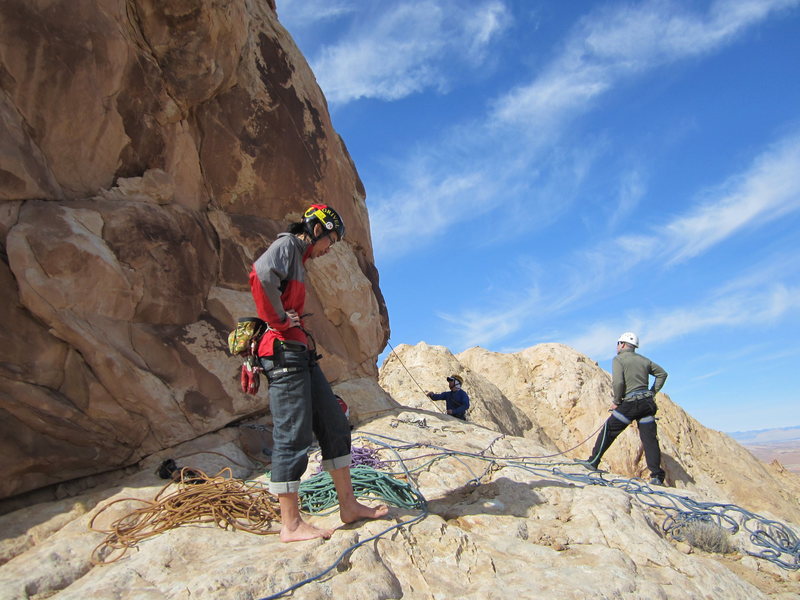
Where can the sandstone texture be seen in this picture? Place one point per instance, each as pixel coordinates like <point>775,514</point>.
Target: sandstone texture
<point>493,528</point>
<point>565,398</point>
<point>505,513</point>
<point>149,152</point>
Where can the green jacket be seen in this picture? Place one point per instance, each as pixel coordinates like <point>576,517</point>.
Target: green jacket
<point>631,371</point>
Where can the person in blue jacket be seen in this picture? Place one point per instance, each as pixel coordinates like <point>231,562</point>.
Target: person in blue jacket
<point>457,401</point>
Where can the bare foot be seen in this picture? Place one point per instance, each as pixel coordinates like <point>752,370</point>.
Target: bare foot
<point>355,511</point>
<point>299,530</point>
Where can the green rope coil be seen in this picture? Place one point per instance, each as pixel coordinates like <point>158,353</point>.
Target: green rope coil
<point>317,494</point>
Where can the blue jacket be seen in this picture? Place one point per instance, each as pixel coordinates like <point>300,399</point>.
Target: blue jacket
<point>457,401</point>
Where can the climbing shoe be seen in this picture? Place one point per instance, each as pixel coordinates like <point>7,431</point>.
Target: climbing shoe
<point>655,481</point>
<point>587,464</point>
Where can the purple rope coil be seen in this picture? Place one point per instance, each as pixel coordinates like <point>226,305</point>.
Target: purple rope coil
<point>361,456</point>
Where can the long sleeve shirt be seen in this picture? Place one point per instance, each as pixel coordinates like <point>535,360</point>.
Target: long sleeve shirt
<point>457,401</point>
<point>277,282</point>
<point>630,372</point>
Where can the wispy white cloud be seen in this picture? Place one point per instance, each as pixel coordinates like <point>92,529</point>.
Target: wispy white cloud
<point>480,327</point>
<point>710,375</point>
<point>767,190</point>
<point>621,41</point>
<point>606,47</point>
<point>757,306</point>
<point>408,48</point>
<point>298,14</point>
<point>631,190</point>
<point>482,26</point>
<point>431,205</point>
<point>441,189</point>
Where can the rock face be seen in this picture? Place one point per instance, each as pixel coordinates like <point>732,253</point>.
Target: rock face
<point>149,152</point>
<point>564,397</point>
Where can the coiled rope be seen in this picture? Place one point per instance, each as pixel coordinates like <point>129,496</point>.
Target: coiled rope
<point>227,502</point>
<point>413,492</point>
<point>317,494</point>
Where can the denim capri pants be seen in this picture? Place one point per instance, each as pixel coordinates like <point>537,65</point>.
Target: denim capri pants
<point>303,405</point>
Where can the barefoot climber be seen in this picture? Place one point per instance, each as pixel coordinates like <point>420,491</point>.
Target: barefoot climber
<point>300,397</point>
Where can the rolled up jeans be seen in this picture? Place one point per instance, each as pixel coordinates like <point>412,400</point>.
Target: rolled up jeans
<point>302,403</point>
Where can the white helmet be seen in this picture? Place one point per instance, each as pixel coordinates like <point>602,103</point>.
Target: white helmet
<point>629,338</point>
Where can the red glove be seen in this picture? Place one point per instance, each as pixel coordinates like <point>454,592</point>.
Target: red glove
<point>249,379</point>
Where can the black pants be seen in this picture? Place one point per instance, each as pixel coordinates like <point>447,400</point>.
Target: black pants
<point>643,411</point>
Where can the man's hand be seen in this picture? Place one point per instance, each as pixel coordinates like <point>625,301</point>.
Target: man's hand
<point>614,406</point>
<point>294,318</point>
<point>429,394</point>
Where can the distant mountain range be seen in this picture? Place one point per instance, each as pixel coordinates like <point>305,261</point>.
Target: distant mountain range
<point>766,436</point>
<point>782,444</point>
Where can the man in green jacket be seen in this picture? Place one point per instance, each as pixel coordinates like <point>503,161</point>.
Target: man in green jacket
<point>633,400</point>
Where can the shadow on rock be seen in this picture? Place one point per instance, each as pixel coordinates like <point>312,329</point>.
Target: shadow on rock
<point>501,497</point>
<point>675,472</point>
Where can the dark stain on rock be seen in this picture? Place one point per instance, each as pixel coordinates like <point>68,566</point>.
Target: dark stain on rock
<point>137,104</point>
<point>275,68</point>
<point>275,73</point>
<point>175,18</point>
<point>10,184</point>
<point>198,404</point>
<point>217,120</point>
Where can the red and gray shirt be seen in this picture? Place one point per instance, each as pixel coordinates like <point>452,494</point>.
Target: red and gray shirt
<point>277,282</point>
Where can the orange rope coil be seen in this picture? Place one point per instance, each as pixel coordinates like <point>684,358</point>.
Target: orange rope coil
<point>227,502</point>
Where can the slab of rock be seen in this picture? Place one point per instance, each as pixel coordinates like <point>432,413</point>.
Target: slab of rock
<point>519,529</point>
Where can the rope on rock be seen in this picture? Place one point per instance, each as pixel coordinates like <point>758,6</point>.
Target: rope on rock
<point>227,502</point>
<point>361,456</point>
<point>775,542</point>
<point>409,491</point>
<point>231,503</point>
<point>318,494</point>
<point>440,410</point>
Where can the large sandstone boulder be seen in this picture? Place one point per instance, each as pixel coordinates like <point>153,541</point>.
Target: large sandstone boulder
<point>149,152</point>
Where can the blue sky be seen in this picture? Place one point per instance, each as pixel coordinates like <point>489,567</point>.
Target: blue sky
<point>542,171</point>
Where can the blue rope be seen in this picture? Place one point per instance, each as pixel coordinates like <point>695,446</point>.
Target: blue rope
<point>780,543</point>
